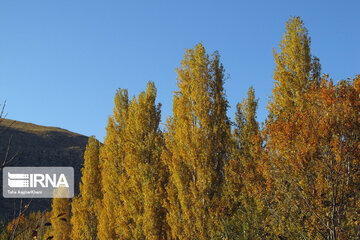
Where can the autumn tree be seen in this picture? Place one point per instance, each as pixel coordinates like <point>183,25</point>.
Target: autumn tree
<point>313,165</point>
<point>142,182</point>
<point>293,79</point>
<point>311,138</point>
<point>60,213</point>
<point>242,215</point>
<point>85,206</point>
<point>196,145</point>
<point>111,165</point>
<point>133,175</point>
<point>295,68</point>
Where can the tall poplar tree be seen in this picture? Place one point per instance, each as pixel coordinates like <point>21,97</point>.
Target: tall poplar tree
<point>311,159</point>
<point>295,68</point>
<point>312,165</point>
<point>61,228</point>
<point>111,165</point>
<point>293,79</point>
<point>242,215</point>
<point>85,207</point>
<point>142,183</point>
<point>249,148</point>
<point>196,143</point>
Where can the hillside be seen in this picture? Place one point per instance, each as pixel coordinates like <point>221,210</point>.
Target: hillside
<point>36,145</point>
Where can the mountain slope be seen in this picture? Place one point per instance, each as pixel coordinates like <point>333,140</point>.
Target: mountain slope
<point>35,145</point>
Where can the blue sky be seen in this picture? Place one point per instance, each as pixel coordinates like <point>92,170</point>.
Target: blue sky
<point>62,61</point>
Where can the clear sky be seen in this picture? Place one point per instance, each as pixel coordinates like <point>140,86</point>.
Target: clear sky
<point>61,61</point>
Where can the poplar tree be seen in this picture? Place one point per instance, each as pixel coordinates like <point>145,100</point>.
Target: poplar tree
<point>85,207</point>
<point>220,123</point>
<point>295,68</point>
<point>310,160</point>
<point>196,143</point>
<point>248,151</point>
<point>293,80</point>
<point>242,216</point>
<point>142,183</point>
<point>111,165</point>
<point>61,228</point>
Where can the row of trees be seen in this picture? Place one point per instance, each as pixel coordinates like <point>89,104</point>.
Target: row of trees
<point>204,177</point>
